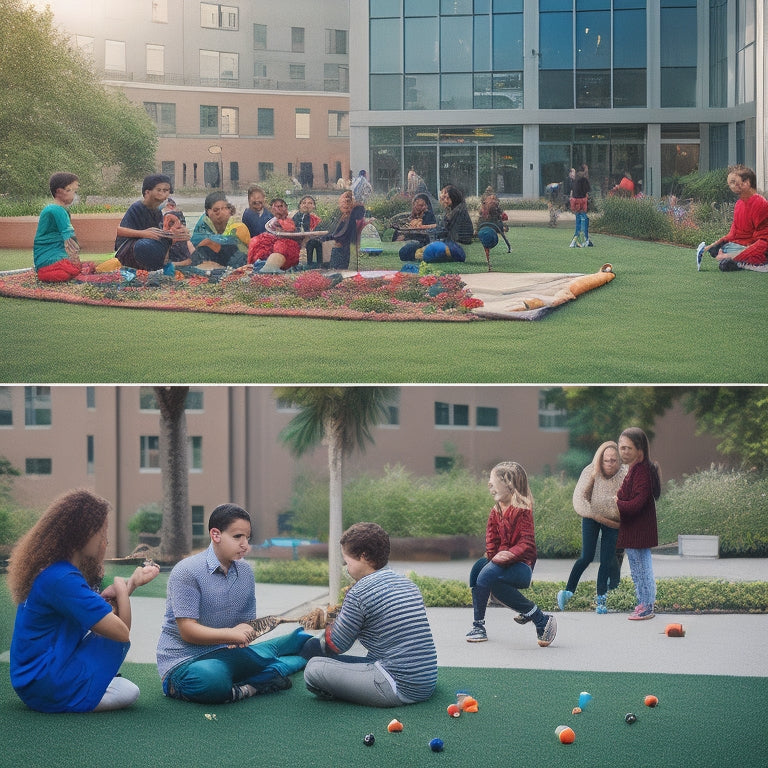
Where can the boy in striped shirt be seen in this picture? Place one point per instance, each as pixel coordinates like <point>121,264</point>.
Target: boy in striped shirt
<point>385,612</point>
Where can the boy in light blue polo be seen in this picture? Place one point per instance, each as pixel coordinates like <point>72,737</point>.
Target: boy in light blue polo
<point>204,652</point>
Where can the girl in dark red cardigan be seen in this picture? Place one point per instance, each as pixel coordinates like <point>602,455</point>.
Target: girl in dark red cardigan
<point>637,508</point>
<point>510,554</point>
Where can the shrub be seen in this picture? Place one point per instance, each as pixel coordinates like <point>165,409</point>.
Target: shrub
<point>148,519</point>
<point>313,572</point>
<point>14,523</point>
<point>730,505</point>
<point>640,219</point>
<point>709,187</point>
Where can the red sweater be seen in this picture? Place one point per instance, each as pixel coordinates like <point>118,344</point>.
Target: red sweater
<point>511,530</point>
<point>637,509</point>
<point>750,228</point>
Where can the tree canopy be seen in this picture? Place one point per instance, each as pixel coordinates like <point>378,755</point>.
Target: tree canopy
<point>58,116</point>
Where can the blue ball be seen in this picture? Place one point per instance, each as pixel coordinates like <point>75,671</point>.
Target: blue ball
<point>436,745</point>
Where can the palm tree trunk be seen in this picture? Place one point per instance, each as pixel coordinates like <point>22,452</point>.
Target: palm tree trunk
<point>335,467</point>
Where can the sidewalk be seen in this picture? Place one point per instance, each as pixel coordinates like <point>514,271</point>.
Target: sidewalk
<point>715,644</point>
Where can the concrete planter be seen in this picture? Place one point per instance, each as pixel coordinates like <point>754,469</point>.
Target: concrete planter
<point>698,546</point>
<point>95,232</point>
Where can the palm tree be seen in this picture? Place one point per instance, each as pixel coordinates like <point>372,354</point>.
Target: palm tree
<point>341,417</point>
<point>176,533</point>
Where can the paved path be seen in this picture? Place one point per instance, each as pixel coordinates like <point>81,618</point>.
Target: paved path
<point>714,644</point>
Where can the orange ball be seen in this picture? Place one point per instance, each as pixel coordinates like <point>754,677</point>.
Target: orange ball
<point>395,726</point>
<point>565,734</point>
<point>651,701</point>
<point>454,711</point>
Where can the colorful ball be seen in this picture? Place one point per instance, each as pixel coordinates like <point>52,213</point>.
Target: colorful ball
<point>576,711</point>
<point>436,745</point>
<point>630,718</point>
<point>651,701</point>
<point>566,734</point>
<point>395,726</point>
<point>454,711</point>
<point>584,699</point>
<point>488,237</point>
<point>369,740</point>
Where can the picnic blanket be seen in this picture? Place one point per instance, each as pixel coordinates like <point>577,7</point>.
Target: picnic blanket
<point>376,295</point>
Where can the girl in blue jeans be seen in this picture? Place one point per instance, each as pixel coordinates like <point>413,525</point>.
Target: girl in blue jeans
<point>594,500</point>
<point>510,555</point>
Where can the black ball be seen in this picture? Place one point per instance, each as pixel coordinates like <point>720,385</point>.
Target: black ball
<point>369,740</point>
<point>630,718</point>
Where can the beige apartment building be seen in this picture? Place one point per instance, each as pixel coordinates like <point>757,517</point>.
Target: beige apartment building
<point>106,438</point>
<point>237,91</point>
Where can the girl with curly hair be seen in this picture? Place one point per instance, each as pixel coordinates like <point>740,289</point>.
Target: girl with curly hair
<point>68,640</point>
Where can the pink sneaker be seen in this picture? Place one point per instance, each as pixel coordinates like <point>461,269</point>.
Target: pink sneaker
<point>641,613</point>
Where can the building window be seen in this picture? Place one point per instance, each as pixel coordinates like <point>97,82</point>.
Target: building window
<point>302,123</point>
<point>487,417</point>
<point>444,463</point>
<point>155,59</point>
<point>286,406</point>
<point>338,124</point>
<point>163,115</point>
<point>147,399</point>
<point>89,454</point>
<point>216,16</point>
<point>198,521</point>
<point>266,121</point>
<point>160,11</point>
<point>265,171</point>
<point>296,71</point>
<point>451,415</point>
<point>259,37</point>
<point>336,41</point>
<point>230,124</point>
<point>6,407</point>
<point>168,168</point>
<point>550,417</point>
<point>196,454</point>
<point>297,39</point>
<point>218,65</point>
<point>38,466</point>
<point>335,77</point>
<point>392,418</point>
<point>745,51</point>
<point>718,55</point>
<point>209,120</point>
<point>90,398</point>
<point>149,452</point>
<point>37,406</point>
<point>195,400</point>
<point>678,53</point>
<point>114,56</point>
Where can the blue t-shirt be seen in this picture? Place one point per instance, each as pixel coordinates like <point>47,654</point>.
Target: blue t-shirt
<point>199,589</point>
<point>57,664</point>
<point>53,228</point>
<point>256,222</point>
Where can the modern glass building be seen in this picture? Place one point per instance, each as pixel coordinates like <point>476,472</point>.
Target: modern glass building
<point>513,93</point>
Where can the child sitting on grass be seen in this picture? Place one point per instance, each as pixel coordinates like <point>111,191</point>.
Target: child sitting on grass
<point>55,250</point>
<point>510,555</point>
<point>385,612</point>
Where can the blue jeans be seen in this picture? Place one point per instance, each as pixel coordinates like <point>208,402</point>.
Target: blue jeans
<point>641,568</point>
<point>486,579</point>
<point>582,225</point>
<point>608,573</point>
<point>208,679</point>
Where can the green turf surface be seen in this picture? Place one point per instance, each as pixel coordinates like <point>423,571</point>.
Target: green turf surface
<point>659,321</point>
<point>700,721</point>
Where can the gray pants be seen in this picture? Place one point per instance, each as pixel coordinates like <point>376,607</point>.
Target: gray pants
<point>357,680</point>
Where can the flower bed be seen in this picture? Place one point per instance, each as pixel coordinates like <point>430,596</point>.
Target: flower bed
<point>381,296</point>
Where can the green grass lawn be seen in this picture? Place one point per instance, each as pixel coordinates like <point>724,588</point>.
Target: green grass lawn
<point>659,321</point>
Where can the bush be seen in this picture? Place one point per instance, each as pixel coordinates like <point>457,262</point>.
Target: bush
<point>709,187</point>
<point>312,572</point>
<point>730,505</point>
<point>640,219</point>
<point>14,523</point>
<point>148,519</point>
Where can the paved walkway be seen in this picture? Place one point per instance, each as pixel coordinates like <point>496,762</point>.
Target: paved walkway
<point>714,644</point>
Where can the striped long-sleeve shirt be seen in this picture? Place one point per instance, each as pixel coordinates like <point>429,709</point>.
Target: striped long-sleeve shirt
<point>386,613</point>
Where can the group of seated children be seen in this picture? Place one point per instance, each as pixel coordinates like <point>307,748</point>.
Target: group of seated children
<point>70,637</point>
<point>153,232</point>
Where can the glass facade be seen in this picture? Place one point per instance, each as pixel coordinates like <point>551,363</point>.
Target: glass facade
<point>609,58</point>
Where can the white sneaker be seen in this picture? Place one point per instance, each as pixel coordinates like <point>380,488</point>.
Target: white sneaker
<point>699,254</point>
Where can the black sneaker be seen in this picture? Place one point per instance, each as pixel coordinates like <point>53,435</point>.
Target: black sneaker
<point>728,265</point>
<point>477,634</point>
<point>276,684</point>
